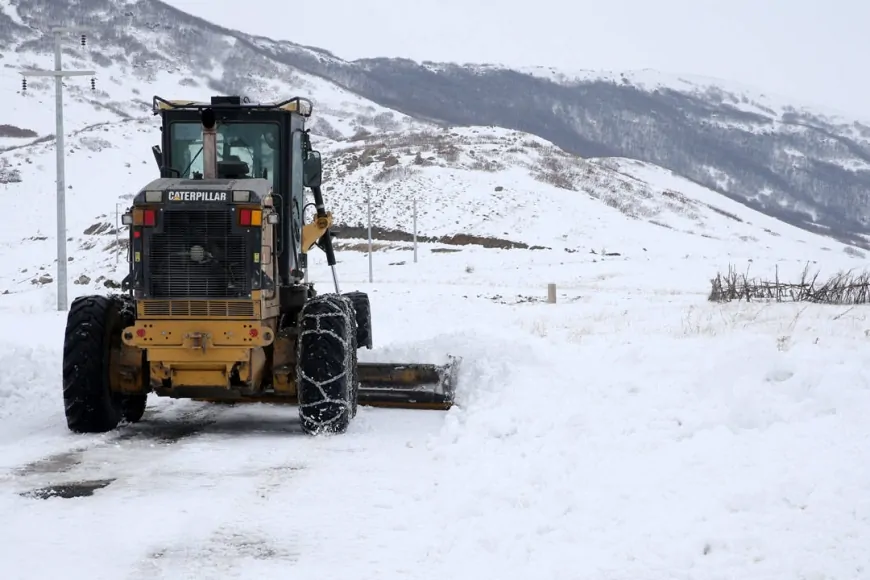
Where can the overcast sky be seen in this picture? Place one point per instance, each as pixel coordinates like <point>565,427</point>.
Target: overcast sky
<point>815,51</point>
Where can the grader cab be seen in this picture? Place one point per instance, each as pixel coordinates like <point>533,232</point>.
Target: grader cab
<point>216,304</point>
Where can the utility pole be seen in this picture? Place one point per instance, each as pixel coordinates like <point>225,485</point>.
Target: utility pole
<point>369,209</point>
<point>117,233</point>
<point>415,228</point>
<point>59,74</point>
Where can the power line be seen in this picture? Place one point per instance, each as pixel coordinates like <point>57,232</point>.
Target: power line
<point>59,74</point>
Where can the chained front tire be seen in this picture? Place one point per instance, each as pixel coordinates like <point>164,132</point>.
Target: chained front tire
<point>93,329</point>
<point>326,377</point>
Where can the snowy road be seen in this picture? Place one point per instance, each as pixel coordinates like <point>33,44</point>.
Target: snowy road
<point>619,435</point>
<point>205,491</point>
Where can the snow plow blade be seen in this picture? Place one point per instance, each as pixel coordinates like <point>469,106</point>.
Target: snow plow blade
<point>407,386</point>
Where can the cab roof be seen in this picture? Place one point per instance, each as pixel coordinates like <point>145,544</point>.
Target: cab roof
<point>298,105</point>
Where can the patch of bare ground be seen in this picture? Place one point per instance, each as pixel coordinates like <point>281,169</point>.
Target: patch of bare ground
<point>394,235</point>
<point>14,132</point>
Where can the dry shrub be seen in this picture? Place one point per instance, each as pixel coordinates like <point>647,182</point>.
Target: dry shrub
<point>727,214</point>
<point>9,174</point>
<point>393,173</point>
<point>364,246</point>
<point>841,288</point>
<point>486,165</point>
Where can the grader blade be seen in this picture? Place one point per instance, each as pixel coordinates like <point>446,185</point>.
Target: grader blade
<point>407,386</point>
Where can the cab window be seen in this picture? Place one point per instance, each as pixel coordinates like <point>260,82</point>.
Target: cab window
<point>255,144</point>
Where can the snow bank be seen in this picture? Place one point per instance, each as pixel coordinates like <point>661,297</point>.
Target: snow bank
<point>31,381</point>
<point>656,458</point>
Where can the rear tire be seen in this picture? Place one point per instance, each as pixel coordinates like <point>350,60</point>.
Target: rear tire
<point>133,407</point>
<point>93,328</point>
<point>363,309</point>
<point>326,373</point>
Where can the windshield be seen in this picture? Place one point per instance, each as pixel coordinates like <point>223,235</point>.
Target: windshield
<point>253,143</point>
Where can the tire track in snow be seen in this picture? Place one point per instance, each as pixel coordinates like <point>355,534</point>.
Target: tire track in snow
<point>204,490</point>
<point>279,495</point>
<point>104,457</point>
<point>227,551</point>
<point>189,493</point>
<point>247,461</point>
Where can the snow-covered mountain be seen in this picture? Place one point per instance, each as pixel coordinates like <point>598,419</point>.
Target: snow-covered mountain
<point>798,165</point>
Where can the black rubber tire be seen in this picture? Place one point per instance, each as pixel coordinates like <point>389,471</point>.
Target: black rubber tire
<point>326,371</point>
<point>94,324</point>
<point>133,407</point>
<point>363,309</point>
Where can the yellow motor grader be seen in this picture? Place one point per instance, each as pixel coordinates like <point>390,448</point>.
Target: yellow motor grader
<point>216,305</point>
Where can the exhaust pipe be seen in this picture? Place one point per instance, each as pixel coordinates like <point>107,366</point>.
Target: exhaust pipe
<point>209,144</point>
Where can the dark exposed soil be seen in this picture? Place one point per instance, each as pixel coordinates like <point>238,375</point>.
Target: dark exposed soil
<point>68,490</point>
<point>390,235</point>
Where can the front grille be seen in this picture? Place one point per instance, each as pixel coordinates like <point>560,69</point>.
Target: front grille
<point>198,308</point>
<point>197,256</point>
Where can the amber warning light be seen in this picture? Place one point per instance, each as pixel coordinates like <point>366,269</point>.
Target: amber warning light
<point>140,217</point>
<point>250,217</point>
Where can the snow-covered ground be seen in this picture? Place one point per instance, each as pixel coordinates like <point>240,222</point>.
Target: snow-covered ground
<point>633,430</point>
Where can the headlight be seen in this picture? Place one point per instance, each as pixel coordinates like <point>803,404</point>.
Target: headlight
<point>241,196</point>
<point>153,196</point>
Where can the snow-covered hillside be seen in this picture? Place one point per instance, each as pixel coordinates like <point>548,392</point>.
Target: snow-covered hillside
<point>786,160</point>
<point>743,97</point>
<point>124,91</point>
<point>509,187</point>
<point>109,133</point>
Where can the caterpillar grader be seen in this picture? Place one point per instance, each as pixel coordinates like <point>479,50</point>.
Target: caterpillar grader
<point>217,305</point>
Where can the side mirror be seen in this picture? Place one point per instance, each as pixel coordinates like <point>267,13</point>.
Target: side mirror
<point>312,170</point>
